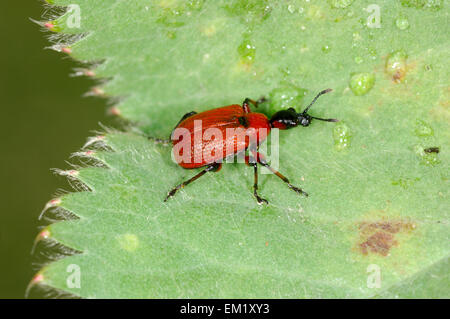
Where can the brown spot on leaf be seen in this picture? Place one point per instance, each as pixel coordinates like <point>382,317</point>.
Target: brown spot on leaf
<point>379,237</point>
<point>398,76</point>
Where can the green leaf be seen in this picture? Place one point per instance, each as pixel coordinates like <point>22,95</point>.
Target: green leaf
<point>378,198</point>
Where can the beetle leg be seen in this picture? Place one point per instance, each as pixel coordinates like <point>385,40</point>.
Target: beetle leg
<point>262,161</point>
<point>215,167</point>
<point>246,106</point>
<point>253,163</point>
<point>159,140</point>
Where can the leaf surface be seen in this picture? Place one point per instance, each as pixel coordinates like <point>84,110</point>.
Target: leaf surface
<point>378,204</point>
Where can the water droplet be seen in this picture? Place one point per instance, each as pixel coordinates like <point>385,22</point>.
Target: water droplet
<point>170,17</point>
<point>341,136</point>
<point>373,53</point>
<point>285,97</point>
<point>171,35</point>
<point>251,11</point>
<point>206,57</point>
<point>285,71</point>
<point>361,83</point>
<point>405,183</point>
<point>174,14</point>
<point>340,3</point>
<point>247,50</point>
<point>291,8</point>
<point>195,4</point>
<point>359,60</point>
<point>423,129</point>
<point>315,12</point>
<point>326,49</point>
<point>357,38</point>
<point>396,65</point>
<point>422,4</point>
<point>402,23</point>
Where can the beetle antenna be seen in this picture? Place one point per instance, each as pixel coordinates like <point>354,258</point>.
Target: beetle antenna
<point>326,120</point>
<point>315,99</point>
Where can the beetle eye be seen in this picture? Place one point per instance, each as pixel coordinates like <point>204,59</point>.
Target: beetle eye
<point>305,122</point>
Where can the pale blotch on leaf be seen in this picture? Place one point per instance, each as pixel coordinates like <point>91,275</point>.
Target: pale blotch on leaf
<point>128,242</point>
<point>209,30</point>
<point>402,23</point>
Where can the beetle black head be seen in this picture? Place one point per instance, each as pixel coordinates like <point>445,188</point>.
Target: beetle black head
<point>285,119</point>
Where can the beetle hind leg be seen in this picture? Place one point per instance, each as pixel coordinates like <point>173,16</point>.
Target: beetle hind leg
<point>215,167</point>
<point>159,140</point>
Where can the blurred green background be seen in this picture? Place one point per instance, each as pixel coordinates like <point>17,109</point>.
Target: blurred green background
<point>45,119</point>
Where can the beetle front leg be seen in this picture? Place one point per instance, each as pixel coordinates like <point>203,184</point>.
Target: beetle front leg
<point>247,101</point>
<point>253,163</point>
<point>260,159</point>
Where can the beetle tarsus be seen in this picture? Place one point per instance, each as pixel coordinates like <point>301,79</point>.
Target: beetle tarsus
<point>171,193</point>
<point>261,100</point>
<point>298,190</point>
<point>261,200</point>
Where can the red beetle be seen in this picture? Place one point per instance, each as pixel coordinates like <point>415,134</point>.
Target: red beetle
<point>242,120</point>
